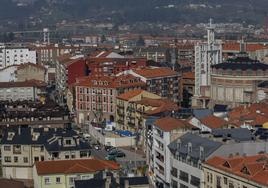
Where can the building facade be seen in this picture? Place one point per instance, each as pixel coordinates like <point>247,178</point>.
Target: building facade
<point>63,174</point>
<point>16,56</point>
<point>160,81</point>
<point>126,109</point>
<point>238,171</point>
<point>235,82</point>
<point>26,90</point>
<point>21,148</point>
<point>96,96</point>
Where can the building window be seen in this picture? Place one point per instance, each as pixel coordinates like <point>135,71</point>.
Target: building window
<point>68,142</point>
<point>25,159</point>
<point>225,180</point>
<point>7,159</point>
<point>47,181</point>
<point>71,180</point>
<point>67,156</point>
<point>58,180</point>
<point>174,172</point>
<point>15,159</point>
<point>183,186</point>
<point>7,148</point>
<point>218,182</point>
<point>195,181</point>
<point>174,184</point>
<point>36,158</point>
<point>184,176</point>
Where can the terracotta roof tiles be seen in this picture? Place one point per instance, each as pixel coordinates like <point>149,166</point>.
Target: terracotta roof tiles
<point>252,168</point>
<point>74,166</point>
<point>213,122</point>
<point>155,72</point>
<point>168,124</point>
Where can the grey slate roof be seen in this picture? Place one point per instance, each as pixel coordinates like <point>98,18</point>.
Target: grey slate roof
<point>201,113</point>
<point>238,134</point>
<point>197,142</point>
<point>48,138</point>
<point>100,182</point>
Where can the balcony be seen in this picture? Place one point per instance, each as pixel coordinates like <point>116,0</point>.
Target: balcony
<point>131,124</point>
<point>131,109</point>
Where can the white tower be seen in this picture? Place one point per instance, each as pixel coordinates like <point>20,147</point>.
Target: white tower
<point>206,54</point>
<point>46,35</point>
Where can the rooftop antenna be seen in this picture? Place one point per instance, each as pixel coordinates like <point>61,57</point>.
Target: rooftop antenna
<point>46,36</point>
<point>211,32</point>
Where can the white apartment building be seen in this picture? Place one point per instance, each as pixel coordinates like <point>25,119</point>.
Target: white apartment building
<point>206,54</point>
<point>16,56</point>
<point>164,131</point>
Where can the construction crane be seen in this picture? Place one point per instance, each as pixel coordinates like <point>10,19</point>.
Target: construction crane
<point>45,31</point>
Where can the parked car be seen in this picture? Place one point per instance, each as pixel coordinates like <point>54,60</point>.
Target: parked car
<point>120,154</point>
<point>96,147</point>
<point>116,153</point>
<point>110,157</point>
<point>109,148</point>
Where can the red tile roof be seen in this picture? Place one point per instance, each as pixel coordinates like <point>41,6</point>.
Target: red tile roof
<point>155,72</point>
<point>10,183</point>
<point>27,83</point>
<point>122,81</point>
<point>188,75</point>
<point>168,124</point>
<point>234,46</point>
<point>74,166</point>
<point>130,94</point>
<point>22,66</point>
<point>256,114</point>
<point>252,168</point>
<point>213,122</point>
<point>159,105</point>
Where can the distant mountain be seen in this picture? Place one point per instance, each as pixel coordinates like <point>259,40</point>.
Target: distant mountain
<point>129,11</point>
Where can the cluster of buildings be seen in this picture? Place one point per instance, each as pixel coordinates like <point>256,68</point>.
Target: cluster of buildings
<point>197,110</point>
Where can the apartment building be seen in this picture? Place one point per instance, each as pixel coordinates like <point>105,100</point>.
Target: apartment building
<point>96,96</point>
<point>12,55</point>
<point>48,54</point>
<point>68,69</point>
<point>33,114</point>
<point>24,90</point>
<point>161,81</point>
<point>108,63</point>
<point>164,131</point>
<point>191,150</point>
<point>21,148</point>
<point>126,108</point>
<point>237,171</point>
<point>63,174</point>
<point>187,154</point>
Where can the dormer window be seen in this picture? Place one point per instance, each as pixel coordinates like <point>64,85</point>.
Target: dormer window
<point>245,171</point>
<point>10,135</point>
<point>226,164</point>
<point>68,142</point>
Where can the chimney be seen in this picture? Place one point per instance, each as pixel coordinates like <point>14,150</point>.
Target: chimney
<point>117,179</point>
<point>108,182</point>
<point>59,141</point>
<point>178,144</point>
<point>19,130</point>
<point>202,152</point>
<point>189,147</point>
<point>104,174</point>
<point>126,184</point>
